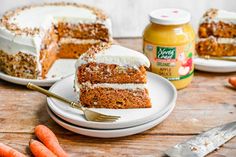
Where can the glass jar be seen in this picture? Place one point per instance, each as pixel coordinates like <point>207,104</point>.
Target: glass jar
<point>168,42</point>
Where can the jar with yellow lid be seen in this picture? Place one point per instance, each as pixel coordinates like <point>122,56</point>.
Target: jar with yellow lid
<point>168,42</point>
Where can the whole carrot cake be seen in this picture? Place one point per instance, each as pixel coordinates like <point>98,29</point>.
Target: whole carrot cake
<point>217,33</point>
<point>33,37</point>
<point>112,76</point>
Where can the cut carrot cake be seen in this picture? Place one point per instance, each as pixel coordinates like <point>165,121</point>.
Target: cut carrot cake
<point>112,76</point>
<point>33,37</point>
<point>217,33</point>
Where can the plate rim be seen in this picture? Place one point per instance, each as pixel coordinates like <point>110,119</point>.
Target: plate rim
<point>211,68</point>
<point>24,81</point>
<point>98,132</point>
<point>100,125</point>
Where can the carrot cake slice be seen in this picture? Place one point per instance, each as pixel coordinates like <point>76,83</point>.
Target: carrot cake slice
<point>217,33</point>
<point>33,37</point>
<point>112,76</point>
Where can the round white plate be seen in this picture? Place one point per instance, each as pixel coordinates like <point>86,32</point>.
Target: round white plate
<point>109,133</point>
<point>162,93</point>
<point>60,69</point>
<point>211,65</point>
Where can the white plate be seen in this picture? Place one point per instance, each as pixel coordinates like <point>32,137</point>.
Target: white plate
<point>211,65</point>
<point>109,133</point>
<point>162,93</point>
<point>60,69</point>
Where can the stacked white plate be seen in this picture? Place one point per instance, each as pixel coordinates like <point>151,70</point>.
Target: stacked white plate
<point>163,97</point>
<point>211,65</point>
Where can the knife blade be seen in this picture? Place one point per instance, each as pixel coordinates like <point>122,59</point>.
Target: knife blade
<point>204,143</point>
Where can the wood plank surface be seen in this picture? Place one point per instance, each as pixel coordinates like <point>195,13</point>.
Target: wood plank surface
<point>206,103</point>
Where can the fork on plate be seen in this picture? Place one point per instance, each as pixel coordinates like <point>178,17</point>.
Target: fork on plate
<point>88,114</point>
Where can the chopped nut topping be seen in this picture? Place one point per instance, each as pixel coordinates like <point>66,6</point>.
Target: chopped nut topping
<point>29,31</point>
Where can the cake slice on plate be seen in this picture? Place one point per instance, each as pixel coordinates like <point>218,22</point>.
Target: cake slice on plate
<point>217,32</point>
<point>112,76</point>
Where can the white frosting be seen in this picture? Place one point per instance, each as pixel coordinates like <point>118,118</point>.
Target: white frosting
<point>42,17</point>
<point>222,15</point>
<point>129,86</point>
<point>221,40</point>
<point>226,16</point>
<point>118,55</point>
<point>12,44</point>
<point>76,87</point>
<point>226,40</point>
<point>36,16</point>
<point>78,41</point>
<point>15,47</point>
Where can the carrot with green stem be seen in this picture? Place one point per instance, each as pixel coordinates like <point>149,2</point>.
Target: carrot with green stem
<point>39,150</point>
<point>6,151</point>
<point>49,139</point>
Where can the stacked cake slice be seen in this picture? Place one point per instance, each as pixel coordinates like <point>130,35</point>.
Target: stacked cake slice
<point>217,32</point>
<point>112,76</point>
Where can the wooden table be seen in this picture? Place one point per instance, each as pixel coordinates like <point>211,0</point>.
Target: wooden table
<point>204,104</point>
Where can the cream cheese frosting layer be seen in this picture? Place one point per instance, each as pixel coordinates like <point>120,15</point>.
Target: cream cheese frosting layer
<point>129,86</point>
<point>217,15</point>
<point>220,40</point>
<point>118,55</point>
<point>226,40</point>
<point>126,86</point>
<point>69,40</point>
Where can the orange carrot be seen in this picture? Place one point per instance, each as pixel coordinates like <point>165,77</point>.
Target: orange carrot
<point>39,150</point>
<point>6,151</point>
<point>49,139</point>
<point>232,81</point>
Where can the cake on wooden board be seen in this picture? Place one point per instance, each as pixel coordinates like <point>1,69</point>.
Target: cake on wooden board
<point>112,76</point>
<point>33,37</point>
<point>217,33</point>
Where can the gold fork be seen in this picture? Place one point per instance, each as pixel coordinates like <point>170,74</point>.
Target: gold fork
<point>89,114</point>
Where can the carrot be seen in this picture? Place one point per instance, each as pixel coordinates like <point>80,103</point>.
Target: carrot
<point>232,81</point>
<point>49,139</point>
<point>39,150</point>
<point>6,151</point>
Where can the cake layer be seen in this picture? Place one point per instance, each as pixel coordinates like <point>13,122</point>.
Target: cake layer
<point>73,48</point>
<point>114,98</point>
<point>96,31</point>
<point>220,29</point>
<point>48,52</point>
<point>218,23</point>
<point>216,46</point>
<point>47,57</point>
<point>110,73</point>
<point>19,65</point>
